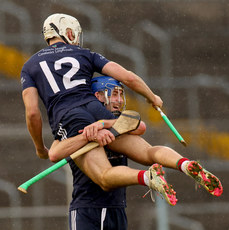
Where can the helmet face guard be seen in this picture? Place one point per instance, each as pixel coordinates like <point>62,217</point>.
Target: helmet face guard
<point>56,25</point>
<point>113,91</point>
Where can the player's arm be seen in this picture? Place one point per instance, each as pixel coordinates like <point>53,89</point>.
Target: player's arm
<point>132,81</point>
<point>91,132</point>
<point>34,120</point>
<point>64,148</point>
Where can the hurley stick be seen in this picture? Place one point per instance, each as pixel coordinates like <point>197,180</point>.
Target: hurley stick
<point>168,122</point>
<point>128,121</point>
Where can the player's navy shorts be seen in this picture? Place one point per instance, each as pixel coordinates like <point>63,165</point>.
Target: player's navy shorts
<point>98,219</point>
<point>79,117</point>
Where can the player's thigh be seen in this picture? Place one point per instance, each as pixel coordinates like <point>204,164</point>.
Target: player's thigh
<point>134,147</point>
<point>94,163</point>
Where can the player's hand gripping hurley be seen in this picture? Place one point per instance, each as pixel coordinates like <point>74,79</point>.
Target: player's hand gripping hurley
<point>128,121</point>
<point>168,122</point>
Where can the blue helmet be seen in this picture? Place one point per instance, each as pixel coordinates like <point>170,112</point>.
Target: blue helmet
<point>103,83</point>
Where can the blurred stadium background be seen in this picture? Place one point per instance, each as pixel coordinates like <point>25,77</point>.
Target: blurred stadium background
<point>181,49</point>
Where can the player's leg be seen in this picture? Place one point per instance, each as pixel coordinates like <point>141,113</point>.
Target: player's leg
<point>96,166</point>
<point>138,150</point>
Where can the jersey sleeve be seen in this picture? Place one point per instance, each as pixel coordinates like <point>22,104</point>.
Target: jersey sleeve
<point>26,80</point>
<point>99,61</point>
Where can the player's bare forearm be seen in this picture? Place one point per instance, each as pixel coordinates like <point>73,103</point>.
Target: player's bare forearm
<point>62,149</point>
<point>132,81</point>
<point>34,125</point>
<point>34,120</point>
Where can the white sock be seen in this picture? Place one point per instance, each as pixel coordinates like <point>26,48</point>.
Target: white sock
<point>146,179</point>
<point>183,166</point>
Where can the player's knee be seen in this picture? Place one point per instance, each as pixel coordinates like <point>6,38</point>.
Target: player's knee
<point>104,186</point>
<point>142,128</point>
<point>104,183</point>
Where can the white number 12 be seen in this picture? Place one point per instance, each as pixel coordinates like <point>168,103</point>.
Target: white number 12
<point>66,77</point>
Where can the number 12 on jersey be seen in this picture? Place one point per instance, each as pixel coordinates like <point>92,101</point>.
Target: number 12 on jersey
<point>68,83</point>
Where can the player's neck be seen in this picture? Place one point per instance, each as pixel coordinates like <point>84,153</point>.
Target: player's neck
<point>55,40</point>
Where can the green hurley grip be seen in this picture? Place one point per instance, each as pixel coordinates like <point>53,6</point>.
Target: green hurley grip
<point>168,122</point>
<point>24,186</point>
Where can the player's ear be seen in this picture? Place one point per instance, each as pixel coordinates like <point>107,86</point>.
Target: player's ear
<point>97,95</point>
<point>70,34</point>
<point>100,96</point>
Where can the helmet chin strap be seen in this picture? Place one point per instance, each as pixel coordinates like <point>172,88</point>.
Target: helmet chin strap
<point>58,32</point>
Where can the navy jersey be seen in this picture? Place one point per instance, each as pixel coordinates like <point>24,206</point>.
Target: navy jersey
<point>87,194</point>
<point>62,75</point>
